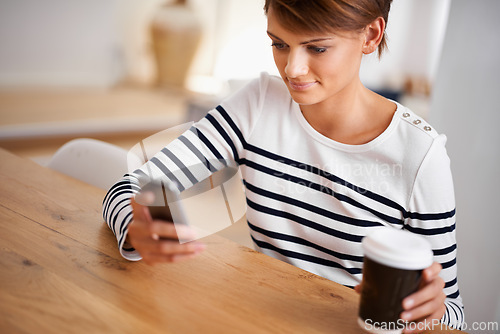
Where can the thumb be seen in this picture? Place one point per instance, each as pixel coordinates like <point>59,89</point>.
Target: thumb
<point>140,211</point>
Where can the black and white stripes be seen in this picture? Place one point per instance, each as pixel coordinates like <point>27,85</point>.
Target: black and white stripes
<point>311,200</point>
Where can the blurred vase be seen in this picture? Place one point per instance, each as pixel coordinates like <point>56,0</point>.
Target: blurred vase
<point>176,34</point>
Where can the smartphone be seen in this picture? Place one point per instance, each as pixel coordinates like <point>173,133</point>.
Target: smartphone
<point>167,204</point>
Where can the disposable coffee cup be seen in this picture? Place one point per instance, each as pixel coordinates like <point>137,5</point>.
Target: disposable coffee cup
<point>392,267</point>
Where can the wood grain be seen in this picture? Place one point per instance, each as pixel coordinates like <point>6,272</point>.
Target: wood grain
<point>62,273</point>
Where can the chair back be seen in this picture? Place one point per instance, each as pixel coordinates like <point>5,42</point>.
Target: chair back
<point>92,161</point>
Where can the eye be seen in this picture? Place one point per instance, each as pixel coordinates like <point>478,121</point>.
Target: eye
<point>278,46</point>
<point>316,50</point>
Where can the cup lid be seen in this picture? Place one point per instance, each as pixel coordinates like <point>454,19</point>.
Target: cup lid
<point>398,248</point>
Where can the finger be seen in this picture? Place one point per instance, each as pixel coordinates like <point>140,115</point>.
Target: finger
<point>146,245</point>
<point>358,288</point>
<point>140,229</point>
<point>153,258</point>
<point>140,212</point>
<point>170,230</point>
<point>426,309</point>
<point>167,247</point>
<point>145,198</point>
<point>431,272</point>
<point>426,324</point>
<point>426,293</point>
<point>149,248</point>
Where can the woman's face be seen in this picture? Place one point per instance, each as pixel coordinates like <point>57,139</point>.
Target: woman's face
<point>317,69</point>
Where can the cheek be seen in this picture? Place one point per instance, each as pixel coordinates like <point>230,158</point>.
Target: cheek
<point>280,61</point>
<point>338,66</point>
<point>326,67</point>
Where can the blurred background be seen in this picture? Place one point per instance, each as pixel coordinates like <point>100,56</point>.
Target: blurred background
<point>122,70</point>
<point>130,68</point>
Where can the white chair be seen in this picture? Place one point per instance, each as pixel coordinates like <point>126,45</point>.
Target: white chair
<point>95,162</point>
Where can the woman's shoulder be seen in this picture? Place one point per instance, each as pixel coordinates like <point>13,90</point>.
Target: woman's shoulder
<point>415,125</point>
<point>272,85</point>
<point>273,80</point>
<point>260,91</point>
<point>420,138</point>
<point>247,104</point>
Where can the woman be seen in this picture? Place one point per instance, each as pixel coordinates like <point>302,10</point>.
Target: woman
<point>325,161</point>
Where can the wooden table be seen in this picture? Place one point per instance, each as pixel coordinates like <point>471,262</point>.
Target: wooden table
<point>60,272</point>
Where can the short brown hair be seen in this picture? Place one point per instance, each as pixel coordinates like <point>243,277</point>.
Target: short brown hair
<point>316,16</point>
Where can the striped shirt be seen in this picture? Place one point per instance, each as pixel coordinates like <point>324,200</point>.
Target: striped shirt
<point>311,200</point>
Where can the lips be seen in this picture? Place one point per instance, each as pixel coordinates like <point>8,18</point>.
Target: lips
<point>300,86</point>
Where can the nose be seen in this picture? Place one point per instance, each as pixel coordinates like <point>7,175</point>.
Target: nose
<point>297,64</point>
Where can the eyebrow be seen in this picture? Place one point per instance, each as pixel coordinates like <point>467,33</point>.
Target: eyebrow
<point>302,43</point>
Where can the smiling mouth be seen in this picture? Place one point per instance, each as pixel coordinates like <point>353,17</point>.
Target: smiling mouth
<point>301,86</point>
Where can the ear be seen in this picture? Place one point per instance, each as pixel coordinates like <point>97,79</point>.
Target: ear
<point>373,35</point>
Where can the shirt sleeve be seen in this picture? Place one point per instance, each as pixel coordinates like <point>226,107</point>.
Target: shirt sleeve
<point>432,215</point>
<point>216,141</point>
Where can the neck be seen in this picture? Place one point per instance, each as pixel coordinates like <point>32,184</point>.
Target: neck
<point>354,116</point>
<point>339,110</point>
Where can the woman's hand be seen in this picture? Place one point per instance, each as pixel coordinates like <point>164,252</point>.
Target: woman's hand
<point>157,240</point>
<point>427,304</point>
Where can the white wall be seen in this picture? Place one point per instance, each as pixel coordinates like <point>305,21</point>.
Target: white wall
<point>59,43</point>
<point>466,107</point>
<point>415,31</point>
<point>97,42</point>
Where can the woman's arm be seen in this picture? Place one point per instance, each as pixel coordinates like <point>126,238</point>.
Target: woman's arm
<point>431,214</point>
<point>212,143</point>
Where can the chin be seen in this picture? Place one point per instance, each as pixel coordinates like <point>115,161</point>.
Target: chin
<point>302,99</point>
